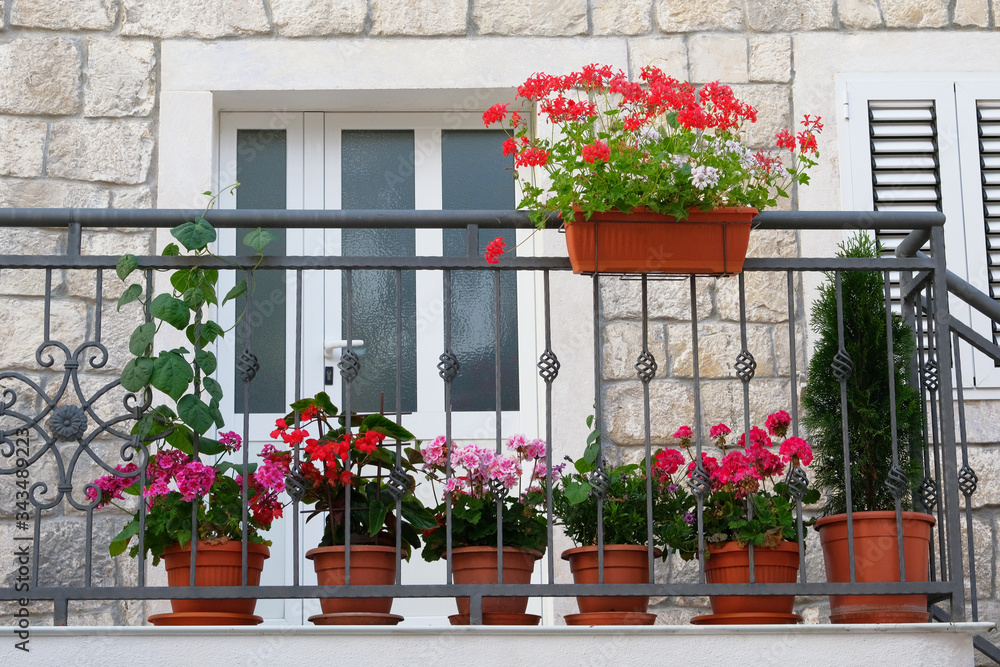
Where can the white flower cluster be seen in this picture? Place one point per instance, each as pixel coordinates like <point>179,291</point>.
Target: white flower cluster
<point>704,177</point>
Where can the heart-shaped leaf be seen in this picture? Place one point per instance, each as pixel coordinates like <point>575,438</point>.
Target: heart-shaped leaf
<point>194,235</point>
<point>258,239</point>
<point>172,311</point>
<point>195,413</point>
<point>141,338</point>
<point>136,373</point>
<point>126,265</point>
<point>171,374</point>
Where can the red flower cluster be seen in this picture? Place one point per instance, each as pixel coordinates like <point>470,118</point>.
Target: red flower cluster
<point>597,151</point>
<point>494,249</point>
<point>666,462</point>
<point>743,470</point>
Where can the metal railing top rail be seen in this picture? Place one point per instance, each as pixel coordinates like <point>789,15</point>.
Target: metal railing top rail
<point>487,219</point>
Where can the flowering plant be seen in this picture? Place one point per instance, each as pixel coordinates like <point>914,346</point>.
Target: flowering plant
<point>661,144</point>
<point>480,478</point>
<point>175,475</point>
<point>624,511</point>
<point>749,499</point>
<point>174,481</point>
<point>335,460</point>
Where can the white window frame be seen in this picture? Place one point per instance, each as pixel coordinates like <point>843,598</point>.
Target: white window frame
<point>959,170</point>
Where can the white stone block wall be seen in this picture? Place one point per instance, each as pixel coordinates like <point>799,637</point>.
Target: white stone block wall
<point>79,127</point>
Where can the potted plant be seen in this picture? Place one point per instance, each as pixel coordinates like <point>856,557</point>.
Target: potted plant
<point>336,459</point>
<point>625,529</point>
<point>872,501</point>
<point>477,483</point>
<point>174,481</point>
<point>750,502</point>
<point>625,154</point>
<point>177,483</point>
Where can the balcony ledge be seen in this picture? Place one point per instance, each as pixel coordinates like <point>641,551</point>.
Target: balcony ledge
<point>885,645</point>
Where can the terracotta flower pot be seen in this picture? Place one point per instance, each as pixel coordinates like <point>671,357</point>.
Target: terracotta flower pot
<point>371,565</point>
<point>623,564</point>
<point>217,565</point>
<point>876,559</point>
<point>707,242</point>
<point>478,565</point>
<point>730,564</point>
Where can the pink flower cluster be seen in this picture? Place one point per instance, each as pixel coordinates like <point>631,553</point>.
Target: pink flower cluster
<point>111,486</point>
<point>190,478</point>
<point>482,465</point>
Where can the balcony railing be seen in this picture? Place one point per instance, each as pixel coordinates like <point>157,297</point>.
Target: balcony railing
<point>63,374</point>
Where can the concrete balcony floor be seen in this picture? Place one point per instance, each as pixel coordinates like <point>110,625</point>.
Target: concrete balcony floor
<point>946,644</point>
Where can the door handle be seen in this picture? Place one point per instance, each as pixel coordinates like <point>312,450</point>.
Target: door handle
<point>330,347</point>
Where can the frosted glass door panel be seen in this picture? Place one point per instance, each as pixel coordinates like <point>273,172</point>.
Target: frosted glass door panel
<point>378,174</point>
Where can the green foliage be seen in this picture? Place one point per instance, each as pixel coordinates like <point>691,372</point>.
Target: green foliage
<point>624,509</point>
<point>474,524</point>
<point>869,432</point>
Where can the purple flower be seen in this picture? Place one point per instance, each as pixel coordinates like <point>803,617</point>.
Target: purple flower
<point>689,519</point>
<point>671,489</point>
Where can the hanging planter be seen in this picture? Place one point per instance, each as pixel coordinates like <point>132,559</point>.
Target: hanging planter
<point>216,565</point>
<point>371,565</point>
<point>876,559</point>
<point>729,563</point>
<point>478,565</point>
<point>706,243</point>
<point>623,564</point>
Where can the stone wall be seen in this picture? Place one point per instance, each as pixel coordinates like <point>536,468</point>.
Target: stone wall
<point>79,127</point>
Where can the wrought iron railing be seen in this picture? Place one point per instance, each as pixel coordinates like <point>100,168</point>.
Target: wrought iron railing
<point>53,458</point>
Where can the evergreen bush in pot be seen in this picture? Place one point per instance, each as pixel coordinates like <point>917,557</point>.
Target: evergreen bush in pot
<point>870,443</point>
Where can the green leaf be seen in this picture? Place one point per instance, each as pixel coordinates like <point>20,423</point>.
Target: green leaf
<point>171,250</point>
<point>591,452</point>
<point>194,298</point>
<point>213,388</point>
<point>209,332</point>
<point>206,361</point>
<point>377,511</point>
<point>382,424</point>
<point>120,541</point>
<point>136,373</point>
<point>210,447</point>
<point>181,279</point>
<point>576,492</point>
<point>194,235</point>
<point>172,311</point>
<point>236,467</point>
<point>180,438</point>
<point>195,413</point>
<point>239,290</point>
<point>258,239</point>
<point>126,265</point>
<point>418,515</point>
<point>129,295</point>
<point>141,338</point>
<point>171,374</point>
<point>216,414</point>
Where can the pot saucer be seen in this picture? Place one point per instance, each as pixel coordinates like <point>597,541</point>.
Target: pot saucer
<point>611,618</point>
<point>747,618</point>
<point>359,618</point>
<point>204,618</point>
<point>498,619</point>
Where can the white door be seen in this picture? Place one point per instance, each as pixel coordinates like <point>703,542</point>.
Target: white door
<point>376,161</point>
